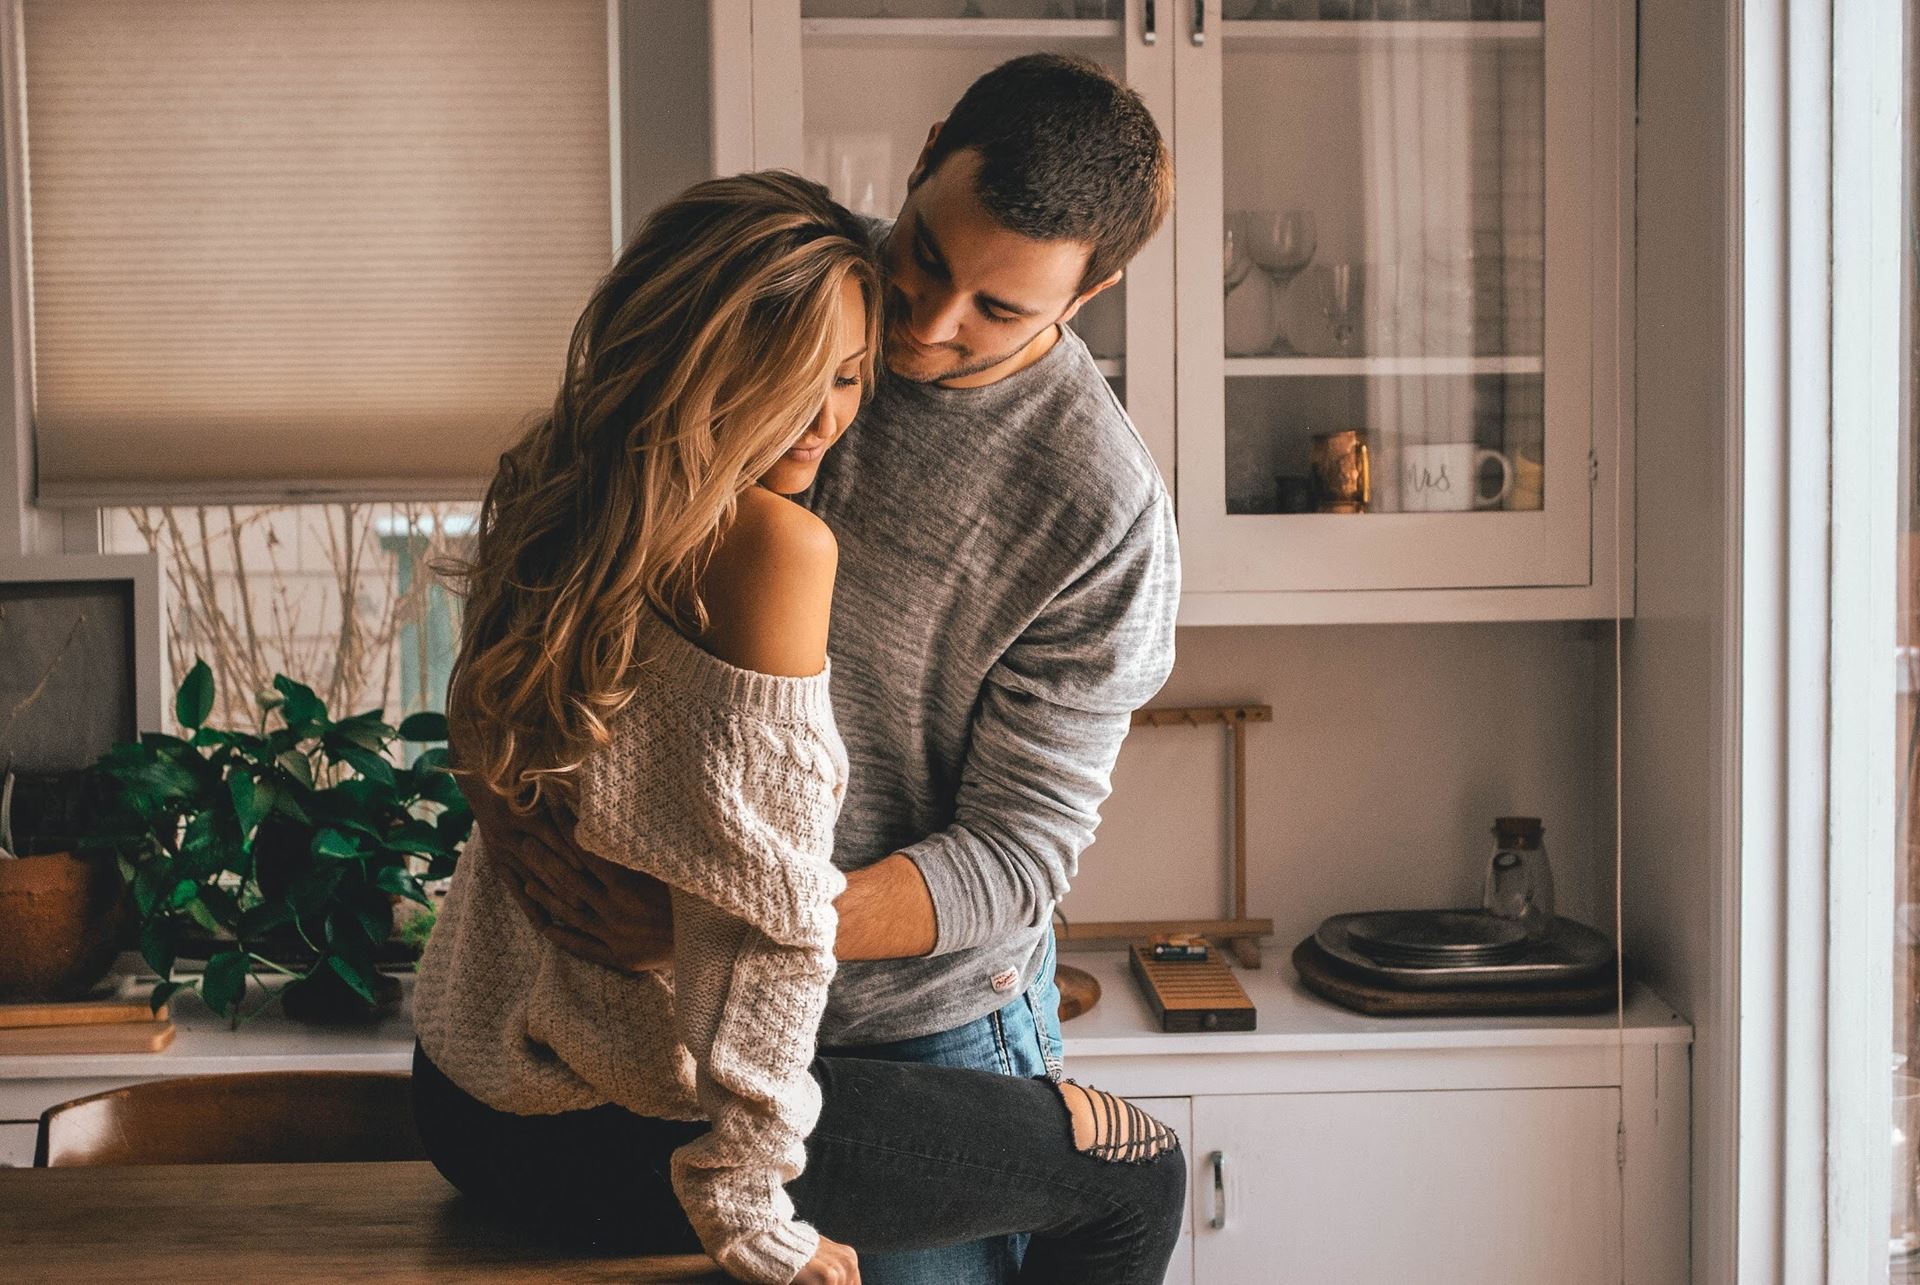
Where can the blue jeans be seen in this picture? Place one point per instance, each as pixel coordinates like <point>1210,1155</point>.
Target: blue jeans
<point>1022,1039</point>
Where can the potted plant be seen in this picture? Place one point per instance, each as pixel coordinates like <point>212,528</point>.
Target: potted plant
<point>289,846</point>
<point>63,913</point>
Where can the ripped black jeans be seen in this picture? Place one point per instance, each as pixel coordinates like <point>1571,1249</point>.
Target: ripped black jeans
<point>904,1156</point>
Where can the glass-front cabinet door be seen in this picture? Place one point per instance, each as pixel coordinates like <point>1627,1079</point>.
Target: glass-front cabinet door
<point>1397,288</point>
<point>845,91</point>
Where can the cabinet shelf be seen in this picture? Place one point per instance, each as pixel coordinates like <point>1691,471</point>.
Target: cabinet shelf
<point>959,33</point>
<point>1292,367</point>
<point>1336,34</point>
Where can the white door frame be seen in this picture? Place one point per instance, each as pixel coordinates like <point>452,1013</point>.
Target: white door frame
<point>1819,109</point>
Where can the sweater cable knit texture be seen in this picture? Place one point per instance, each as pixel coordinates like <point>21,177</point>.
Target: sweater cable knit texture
<point>724,784</point>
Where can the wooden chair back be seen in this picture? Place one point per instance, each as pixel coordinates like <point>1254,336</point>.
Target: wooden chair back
<point>259,1117</point>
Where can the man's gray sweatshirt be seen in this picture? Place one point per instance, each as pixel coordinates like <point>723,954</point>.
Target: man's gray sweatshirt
<point>1008,580</point>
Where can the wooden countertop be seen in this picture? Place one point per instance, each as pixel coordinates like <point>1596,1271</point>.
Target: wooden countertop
<point>290,1224</point>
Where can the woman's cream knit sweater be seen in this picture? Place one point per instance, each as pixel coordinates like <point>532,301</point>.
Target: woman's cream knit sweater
<point>725,784</point>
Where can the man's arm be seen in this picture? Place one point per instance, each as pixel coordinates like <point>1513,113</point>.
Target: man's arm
<point>621,919</point>
<point>1050,721</point>
<point>885,913</point>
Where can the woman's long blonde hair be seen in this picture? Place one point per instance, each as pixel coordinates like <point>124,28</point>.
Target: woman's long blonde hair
<point>702,356</point>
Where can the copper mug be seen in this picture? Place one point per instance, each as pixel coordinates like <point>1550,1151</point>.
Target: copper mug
<point>1342,471</point>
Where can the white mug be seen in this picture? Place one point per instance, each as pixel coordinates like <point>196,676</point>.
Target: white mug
<point>1445,478</point>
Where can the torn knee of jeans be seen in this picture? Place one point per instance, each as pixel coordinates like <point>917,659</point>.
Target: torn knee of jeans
<point>1110,1128</point>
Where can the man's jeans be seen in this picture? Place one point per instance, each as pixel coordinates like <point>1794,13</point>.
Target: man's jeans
<point>1021,1039</point>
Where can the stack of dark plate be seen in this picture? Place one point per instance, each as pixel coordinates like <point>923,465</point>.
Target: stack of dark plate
<point>1437,938</point>
<point>1456,961</point>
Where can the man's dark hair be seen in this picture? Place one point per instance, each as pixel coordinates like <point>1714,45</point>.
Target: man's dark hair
<point>1067,153</point>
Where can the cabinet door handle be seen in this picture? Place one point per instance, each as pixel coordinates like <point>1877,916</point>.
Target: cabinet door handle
<point>1148,35</point>
<point>1199,22</point>
<point>1219,1219</point>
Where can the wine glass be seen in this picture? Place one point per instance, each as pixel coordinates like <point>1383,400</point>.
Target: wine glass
<point>1281,241</point>
<point>1343,306</point>
<point>1235,262</point>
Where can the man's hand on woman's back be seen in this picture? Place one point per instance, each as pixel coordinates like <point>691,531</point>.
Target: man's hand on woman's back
<point>589,907</point>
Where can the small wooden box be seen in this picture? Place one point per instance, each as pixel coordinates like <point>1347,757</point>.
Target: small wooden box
<point>1193,995</point>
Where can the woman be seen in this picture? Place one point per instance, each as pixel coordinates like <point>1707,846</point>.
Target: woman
<point>645,648</point>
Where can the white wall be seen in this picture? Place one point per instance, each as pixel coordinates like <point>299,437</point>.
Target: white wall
<point>1678,904</point>
<point>1392,749</point>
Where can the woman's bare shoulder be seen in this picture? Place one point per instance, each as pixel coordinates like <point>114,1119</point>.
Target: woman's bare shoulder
<point>769,587</point>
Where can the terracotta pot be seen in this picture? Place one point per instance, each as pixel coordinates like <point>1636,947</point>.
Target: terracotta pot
<point>62,921</point>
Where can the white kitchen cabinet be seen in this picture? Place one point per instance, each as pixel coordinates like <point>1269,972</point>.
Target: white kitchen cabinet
<point>1466,164</point>
<point>1177,1114</point>
<point>1428,208</point>
<point>1501,1187</point>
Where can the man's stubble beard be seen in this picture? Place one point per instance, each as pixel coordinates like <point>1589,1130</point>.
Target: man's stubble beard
<point>971,365</point>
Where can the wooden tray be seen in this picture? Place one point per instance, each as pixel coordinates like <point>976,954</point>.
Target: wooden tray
<point>1193,995</point>
<point>1330,979</point>
<point>79,1012</point>
<point>108,1037</point>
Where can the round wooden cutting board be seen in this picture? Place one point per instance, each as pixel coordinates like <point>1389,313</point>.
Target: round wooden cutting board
<point>1079,991</point>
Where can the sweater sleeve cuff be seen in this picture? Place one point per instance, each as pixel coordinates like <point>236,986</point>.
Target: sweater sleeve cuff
<point>772,1255</point>
<point>962,914</point>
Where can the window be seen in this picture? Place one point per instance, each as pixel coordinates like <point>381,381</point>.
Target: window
<point>342,597</point>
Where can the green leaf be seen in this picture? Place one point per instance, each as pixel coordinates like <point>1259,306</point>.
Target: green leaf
<point>262,919</point>
<point>157,783</point>
<point>376,921</point>
<point>225,980</point>
<point>286,802</point>
<point>332,843</point>
<point>251,802</point>
<point>314,886</point>
<point>439,786</point>
<point>368,734</point>
<point>424,726</point>
<point>194,701</point>
<point>436,758</point>
<point>305,713</point>
<point>401,884</point>
<point>156,946</point>
<point>164,992</point>
<point>414,836</point>
<point>368,764</point>
<point>154,881</point>
<point>184,891</point>
<point>203,914</point>
<point>203,850</point>
<point>352,975</point>
<point>298,766</point>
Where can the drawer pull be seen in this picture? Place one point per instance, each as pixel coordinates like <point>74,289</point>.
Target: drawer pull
<point>1219,1219</point>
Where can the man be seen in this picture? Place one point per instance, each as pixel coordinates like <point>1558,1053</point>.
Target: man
<point>1006,595</point>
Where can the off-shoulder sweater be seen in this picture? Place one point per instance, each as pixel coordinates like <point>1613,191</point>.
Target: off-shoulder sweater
<point>724,784</point>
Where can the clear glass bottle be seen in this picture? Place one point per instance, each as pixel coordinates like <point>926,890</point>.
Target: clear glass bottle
<point>1519,879</point>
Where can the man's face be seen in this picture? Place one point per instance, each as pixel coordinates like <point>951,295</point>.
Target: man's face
<point>964,293</point>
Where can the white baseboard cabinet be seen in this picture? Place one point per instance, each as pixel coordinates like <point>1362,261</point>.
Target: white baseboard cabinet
<point>1327,1148</point>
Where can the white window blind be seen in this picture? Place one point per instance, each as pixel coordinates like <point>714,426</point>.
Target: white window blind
<point>326,247</point>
